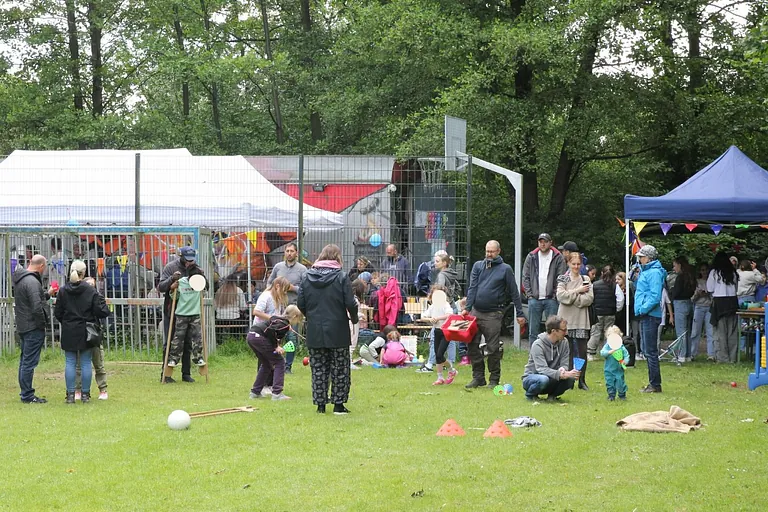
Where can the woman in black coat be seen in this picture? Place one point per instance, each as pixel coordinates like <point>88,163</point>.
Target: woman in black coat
<point>78,303</point>
<point>326,299</point>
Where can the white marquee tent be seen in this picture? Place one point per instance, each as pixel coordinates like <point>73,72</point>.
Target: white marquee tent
<point>97,187</point>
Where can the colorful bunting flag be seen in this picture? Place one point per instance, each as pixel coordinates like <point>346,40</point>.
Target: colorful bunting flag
<point>716,228</point>
<point>742,226</point>
<point>691,227</point>
<point>665,227</point>
<point>639,226</point>
<point>621,222</point>
<point>253,236</point>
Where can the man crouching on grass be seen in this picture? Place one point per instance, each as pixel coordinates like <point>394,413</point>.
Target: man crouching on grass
<point>546,371</point>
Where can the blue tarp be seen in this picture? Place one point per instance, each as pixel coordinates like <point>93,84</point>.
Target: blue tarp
<point>732,189</point>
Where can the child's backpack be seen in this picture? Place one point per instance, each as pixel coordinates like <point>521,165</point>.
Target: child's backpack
<point>394,354</point>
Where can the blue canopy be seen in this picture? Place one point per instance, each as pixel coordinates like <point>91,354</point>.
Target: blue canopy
<point>732,189</point>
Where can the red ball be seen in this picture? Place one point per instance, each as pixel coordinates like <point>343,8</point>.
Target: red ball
<point>305,361</point>
<point>733,384</point>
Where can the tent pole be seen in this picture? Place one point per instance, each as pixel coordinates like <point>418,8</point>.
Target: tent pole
<point>627,248</point>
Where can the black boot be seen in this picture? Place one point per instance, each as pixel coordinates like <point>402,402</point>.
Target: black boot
<point>70,397</point>
<point>582,378</point>
<point>340,409</point>
<point>85,398</point>
<point>321,409</point>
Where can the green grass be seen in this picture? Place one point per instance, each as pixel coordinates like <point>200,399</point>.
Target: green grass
<point>120,455</point>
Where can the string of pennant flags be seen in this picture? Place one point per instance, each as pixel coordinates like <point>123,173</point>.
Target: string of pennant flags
<point>636,227</point>
<point>666,226</point>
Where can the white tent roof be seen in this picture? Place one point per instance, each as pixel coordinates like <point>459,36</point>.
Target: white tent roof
<point>98,187</point>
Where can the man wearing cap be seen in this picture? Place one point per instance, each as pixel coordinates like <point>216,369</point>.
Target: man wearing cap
<point>569,247</point>
<point>186,334</point>
<point>291,269</point>
<point>648,310</point>
<point>491,286</point>
<point>540,271</point>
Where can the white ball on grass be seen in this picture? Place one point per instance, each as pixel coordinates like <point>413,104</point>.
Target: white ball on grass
<point>179,420</point>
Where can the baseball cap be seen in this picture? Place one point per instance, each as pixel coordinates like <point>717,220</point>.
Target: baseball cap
<point>188,253</point>
<point>545,236</point>
<point>569,246</point>
<point>649,252</point>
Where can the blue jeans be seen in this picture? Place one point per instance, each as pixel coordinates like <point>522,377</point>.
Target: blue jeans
<point>649,332</point>
<point>536,384</point>
<point>31,346</point>
<point>683,318</point>
<point>701,317</point>
<point>70,369</point>
<point>450,355</point>
<point>538,310</point>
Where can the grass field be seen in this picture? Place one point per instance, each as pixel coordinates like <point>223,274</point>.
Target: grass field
<point>120,455</point>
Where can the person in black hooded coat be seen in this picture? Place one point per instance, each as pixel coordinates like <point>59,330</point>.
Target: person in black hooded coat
<point>326,300</point>
<point>76,304</point>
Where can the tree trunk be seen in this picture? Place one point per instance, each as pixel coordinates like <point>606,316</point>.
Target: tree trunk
<point>74,55</point>
<point>180,43</point>
<point>74,62</point>
<point>526,151</point>
<point>276,115</point>
<point>213,90</point>
<point>95,30</point>
<point>315,123</point>
<point>567,162</point>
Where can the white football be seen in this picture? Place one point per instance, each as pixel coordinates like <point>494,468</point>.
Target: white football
<point>179,420</point>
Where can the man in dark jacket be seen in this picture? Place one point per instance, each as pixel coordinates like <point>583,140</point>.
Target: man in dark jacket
<point>491,286</point>
<point>184,266</point>
<point>30,303</point>
<point>542,267</point>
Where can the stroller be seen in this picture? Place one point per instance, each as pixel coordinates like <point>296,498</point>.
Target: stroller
<point>674,352</point>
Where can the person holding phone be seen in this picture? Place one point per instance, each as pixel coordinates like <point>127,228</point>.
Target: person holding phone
<point>575,294</point>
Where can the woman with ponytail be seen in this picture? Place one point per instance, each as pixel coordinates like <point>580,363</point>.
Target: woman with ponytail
<point>76,304</point>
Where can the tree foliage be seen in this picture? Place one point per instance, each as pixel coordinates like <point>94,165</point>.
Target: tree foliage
<point>588,99</point>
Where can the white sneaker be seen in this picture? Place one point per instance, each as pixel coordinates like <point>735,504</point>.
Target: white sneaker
<point>78,395</point>
<point>200,362</point>
<point>103,395</point>
<point>254,396</point>
<point>171,363</point>
<point>639,357</point>
<point>281,396</point>
<point>590,358</point>
<point>266,391</point>
<point>353,367</point>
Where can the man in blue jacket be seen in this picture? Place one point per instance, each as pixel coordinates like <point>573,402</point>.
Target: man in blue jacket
<point>491,286</point>
<point>648,291</point>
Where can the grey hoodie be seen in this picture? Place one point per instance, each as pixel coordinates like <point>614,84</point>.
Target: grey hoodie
<point>546,358</point>
<point>449,278</point>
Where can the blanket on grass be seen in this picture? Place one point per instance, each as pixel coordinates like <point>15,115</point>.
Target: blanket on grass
<point>676,420</point>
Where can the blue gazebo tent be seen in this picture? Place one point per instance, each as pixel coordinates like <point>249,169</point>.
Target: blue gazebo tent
<point>731,190</point>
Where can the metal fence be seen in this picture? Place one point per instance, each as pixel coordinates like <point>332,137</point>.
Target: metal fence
<point>253,207</point>
<point>125,263</point>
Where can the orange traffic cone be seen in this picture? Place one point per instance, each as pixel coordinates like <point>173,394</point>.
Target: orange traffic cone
<point>450,429</point>
<point>498,429</point>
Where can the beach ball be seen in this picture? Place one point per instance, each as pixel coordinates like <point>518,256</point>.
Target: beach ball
<point>375,240</point>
